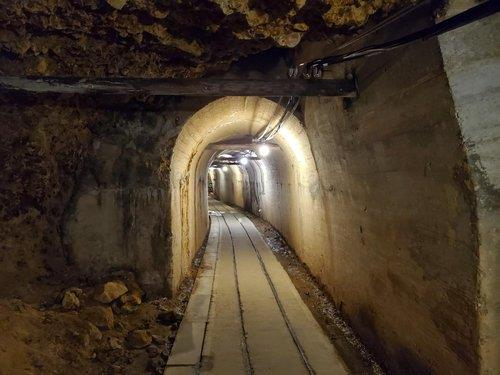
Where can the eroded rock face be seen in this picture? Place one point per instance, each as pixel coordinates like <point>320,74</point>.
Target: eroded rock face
<point>163,38</point>
<point>63,166</point>
<point>42,149</point>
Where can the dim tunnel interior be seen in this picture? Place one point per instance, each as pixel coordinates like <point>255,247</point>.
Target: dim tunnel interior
<point>250,187</point>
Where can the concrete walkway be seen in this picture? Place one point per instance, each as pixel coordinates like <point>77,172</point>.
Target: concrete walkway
<point>244,315</point>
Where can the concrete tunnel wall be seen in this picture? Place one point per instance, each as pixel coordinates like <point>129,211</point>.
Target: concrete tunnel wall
<point>471,57</point>
<point>397,243</point>
<point>221,120</point>
<point>272,190</point>
<point>405,203</point>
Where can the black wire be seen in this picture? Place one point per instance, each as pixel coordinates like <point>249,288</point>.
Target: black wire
<point>478,12</point>
<point>288,114</point>
<point>264,131</point>
<point>265,137</point>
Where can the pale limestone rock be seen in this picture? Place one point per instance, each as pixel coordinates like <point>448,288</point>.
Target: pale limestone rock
<point>100,316</point>
<point>115,343</point>
<point>138,339</point>
<point>94,332</point>
<point>117,4</point>
<point>70,301</point>
<point>110,291</point>
<point>131,299</point>
<point>159,340</point>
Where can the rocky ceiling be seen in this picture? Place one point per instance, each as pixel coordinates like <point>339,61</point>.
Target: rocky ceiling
<point>163,38</point>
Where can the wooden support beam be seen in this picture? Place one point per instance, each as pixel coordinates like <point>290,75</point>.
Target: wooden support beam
<point>180,87</point>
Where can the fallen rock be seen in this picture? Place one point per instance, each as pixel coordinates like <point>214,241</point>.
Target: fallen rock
<point>115,343</point>
<point>77,291</point>
<point>110,291</point>
<point>158,340</point>
<point>138,339</point>
<point>168,318</point>
<point>156,365</point>
<point>131,298</point>
<point>153,351</point>
<point>100,316</point>
<point>94,332</point>
<point>117,4</point>
<point>70,301</point>
<point>129,302</point>
<point>115,306</point>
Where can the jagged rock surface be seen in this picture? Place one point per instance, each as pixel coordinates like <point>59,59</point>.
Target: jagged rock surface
<point>163,38</point>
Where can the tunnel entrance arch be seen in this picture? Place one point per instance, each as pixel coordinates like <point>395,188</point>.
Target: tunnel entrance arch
<point>224,119</point>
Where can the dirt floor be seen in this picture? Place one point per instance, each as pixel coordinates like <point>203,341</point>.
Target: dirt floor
<point>105,328</point>
<point>111,327</point>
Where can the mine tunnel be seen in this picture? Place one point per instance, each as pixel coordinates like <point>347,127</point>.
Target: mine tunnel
<point>250,187</point>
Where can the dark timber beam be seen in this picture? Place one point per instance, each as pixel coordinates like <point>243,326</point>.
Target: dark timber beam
<point>180,87</point>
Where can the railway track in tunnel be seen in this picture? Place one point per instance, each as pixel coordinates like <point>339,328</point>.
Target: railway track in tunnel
<point>244,315</point>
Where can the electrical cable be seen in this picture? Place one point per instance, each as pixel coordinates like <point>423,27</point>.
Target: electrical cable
<point>284,119</point>
<point>260,134</point>
<point>313,68</point>
<point>263,137</point>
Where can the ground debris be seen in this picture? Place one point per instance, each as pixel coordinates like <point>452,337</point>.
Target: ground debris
<point>73,333</point>
<point>138,339</point>
<point>110,291</point>
<point>70,301</point>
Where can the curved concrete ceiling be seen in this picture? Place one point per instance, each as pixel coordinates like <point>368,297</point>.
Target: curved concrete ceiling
<point>223,119</point>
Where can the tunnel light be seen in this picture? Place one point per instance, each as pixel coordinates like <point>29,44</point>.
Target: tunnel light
<point>264,150</point>
<point>243,161</point>
<point>225,169</point>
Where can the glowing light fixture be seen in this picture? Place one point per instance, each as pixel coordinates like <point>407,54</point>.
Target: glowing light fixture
<point>226,156</point>
<point>243,161</point>
<point>264,150</point>
<point>225,169</point>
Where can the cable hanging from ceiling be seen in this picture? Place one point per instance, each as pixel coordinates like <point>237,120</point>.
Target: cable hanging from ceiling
<point>290,107</point>
<point>315,68</point>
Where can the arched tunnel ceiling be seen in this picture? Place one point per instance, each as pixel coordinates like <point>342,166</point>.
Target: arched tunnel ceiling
<point>146,38</point>
<point>223,119</point>
<point>233,118</point>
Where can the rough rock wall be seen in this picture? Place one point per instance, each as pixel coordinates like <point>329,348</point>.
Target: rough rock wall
<point>162,38</point>
<point>120,215</point>
<point>84,189</point>
<point>42,150</point>
<point>399,252</point>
